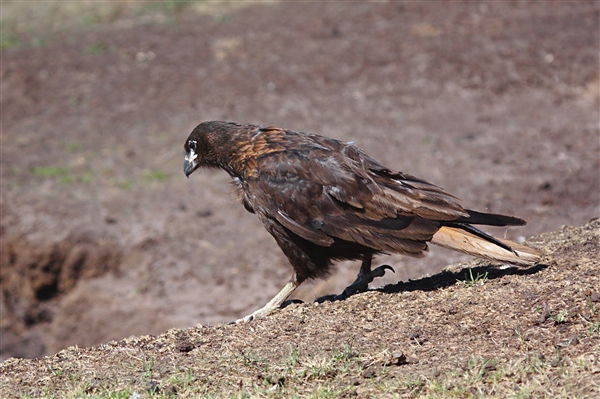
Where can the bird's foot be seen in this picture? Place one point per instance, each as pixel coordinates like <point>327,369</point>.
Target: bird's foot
<point>273,304</point>
<point>259,314</point>
<point>361,284</point>
<point>243,320</point>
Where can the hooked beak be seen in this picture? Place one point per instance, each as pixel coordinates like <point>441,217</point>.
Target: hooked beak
<point>189,165</point>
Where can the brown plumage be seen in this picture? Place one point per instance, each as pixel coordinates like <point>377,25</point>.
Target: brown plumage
<point>325,200</point>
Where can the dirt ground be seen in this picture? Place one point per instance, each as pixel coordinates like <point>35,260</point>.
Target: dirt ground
<point>104,238</point>
<point>475,330</point>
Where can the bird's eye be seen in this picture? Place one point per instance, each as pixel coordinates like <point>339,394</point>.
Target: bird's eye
<point>192,144</point>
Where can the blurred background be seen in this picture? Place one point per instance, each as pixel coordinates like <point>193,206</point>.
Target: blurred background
<point>102,236</point>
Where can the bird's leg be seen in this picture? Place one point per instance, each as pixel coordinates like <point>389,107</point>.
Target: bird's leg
<point>365,276</point>
<point>274,303</point>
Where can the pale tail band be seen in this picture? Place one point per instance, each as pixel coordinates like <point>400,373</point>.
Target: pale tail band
<point>460,240</point>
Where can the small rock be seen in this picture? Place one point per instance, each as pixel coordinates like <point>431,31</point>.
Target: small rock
<point>412,359</point>
<point>276,381</point>
<point>416,337</point>
<point>151,386</point>
<point>556,362</point>
<point>574,340</point>
<point>595,297</point>
<point>368,373</point>
<point>184,346</point>
<point>398,359</point>
<point>489,367</point>
<point>204,213</point>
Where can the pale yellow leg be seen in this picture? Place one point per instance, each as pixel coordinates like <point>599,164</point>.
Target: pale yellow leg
<point>274,303</point>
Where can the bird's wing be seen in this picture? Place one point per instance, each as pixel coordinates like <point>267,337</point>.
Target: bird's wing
<point>332,190</point>
<point>399,193</point>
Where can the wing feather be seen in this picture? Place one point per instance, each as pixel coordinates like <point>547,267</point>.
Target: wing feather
<point>343,194</point>
<point>311,234</point>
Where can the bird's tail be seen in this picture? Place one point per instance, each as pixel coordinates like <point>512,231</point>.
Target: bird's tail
<point>467,239</point>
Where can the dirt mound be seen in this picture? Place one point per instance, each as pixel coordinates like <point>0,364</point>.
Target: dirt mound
<point>476,330</point>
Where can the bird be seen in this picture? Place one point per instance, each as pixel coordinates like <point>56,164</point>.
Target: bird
<point>324,200</point>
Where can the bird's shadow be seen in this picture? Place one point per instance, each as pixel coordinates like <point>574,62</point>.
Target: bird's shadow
<point>442,280</point>
<point>447,278</point>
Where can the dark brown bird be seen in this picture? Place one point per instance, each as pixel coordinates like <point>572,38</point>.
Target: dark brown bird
<point>325,200</point>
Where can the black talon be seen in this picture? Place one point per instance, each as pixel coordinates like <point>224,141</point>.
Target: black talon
<point>380,271</point>
<point>365,276</point>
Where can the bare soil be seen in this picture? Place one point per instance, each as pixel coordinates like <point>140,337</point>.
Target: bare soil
<point>103,238</point>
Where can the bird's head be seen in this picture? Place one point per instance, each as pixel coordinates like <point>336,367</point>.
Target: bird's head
<point>209,145</point>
